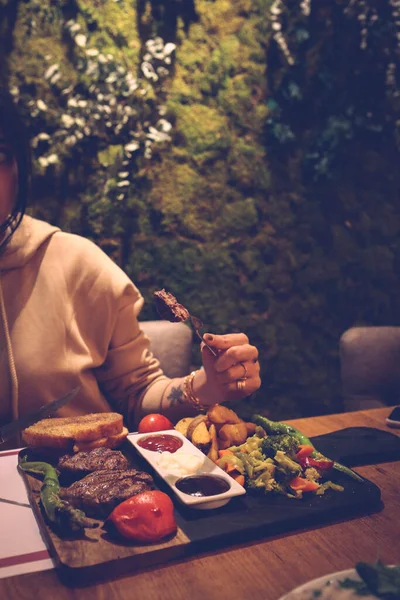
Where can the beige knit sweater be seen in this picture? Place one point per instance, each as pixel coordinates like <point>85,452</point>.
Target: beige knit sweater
<point>69,317</point>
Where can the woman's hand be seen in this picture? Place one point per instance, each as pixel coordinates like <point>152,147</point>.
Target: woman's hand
<point>233,374</point>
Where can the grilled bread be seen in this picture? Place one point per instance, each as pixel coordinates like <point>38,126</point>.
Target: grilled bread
<point>112,441</point>
<point>63,433</point>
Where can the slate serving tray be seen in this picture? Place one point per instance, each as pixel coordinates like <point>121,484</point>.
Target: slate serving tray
<point>100,557</point>
<point>357,446</point>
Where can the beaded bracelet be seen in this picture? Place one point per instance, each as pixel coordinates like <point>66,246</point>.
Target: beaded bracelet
<point>188,391</point>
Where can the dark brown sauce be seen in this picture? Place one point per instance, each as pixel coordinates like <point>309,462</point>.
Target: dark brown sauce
<point>160,443</point>
<point>202,485</point>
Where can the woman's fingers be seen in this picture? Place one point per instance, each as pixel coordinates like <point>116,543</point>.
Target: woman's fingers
<point>239,381</point>
<point>242,388</point>
<point>235,371</point>
<point>234,355</point>
<point>243,370</point>
<point>222,342</point>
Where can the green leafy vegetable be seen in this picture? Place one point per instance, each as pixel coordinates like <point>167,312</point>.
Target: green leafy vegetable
<point>378,579</point>
<point>382,580</point>
<point>274,428</point>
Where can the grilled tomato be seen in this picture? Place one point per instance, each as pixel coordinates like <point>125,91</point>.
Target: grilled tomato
<point>146,517</point>
<point>154,422</point>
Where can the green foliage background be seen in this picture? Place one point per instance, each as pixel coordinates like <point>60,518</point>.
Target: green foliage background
<point>273,208</point>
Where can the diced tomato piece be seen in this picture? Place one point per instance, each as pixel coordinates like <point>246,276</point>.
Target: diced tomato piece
<point>320,465</point>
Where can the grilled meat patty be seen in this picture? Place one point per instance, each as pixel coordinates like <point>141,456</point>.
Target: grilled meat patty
<point>100,492</point>
<point>99,459</point>
<point>169,308</point>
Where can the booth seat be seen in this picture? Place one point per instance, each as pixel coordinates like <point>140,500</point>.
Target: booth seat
<point>370,367</point>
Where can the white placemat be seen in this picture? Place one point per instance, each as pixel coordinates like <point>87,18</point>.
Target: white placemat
<point>22,548</point>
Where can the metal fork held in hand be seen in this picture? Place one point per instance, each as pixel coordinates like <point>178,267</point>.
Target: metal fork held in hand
<point>197,325</point>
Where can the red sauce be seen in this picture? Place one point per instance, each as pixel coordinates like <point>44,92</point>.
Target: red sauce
<point>202,485</point>
<point>160,443</point>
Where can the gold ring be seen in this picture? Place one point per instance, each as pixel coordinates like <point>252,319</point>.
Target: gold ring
<point>240,384</point>
<point>245,371</point>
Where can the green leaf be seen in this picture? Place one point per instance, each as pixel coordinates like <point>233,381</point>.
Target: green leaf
<point>383,581</point>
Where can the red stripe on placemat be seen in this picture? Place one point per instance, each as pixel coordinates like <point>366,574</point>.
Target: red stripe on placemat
<point>11,453</point>
<point>11,561</point>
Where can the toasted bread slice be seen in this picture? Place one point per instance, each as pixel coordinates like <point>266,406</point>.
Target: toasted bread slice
<point>113,441</point>
<point>63,432</point>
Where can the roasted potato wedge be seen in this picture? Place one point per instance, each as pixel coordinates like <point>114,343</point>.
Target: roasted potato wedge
<point>251,428</point>
<point>193,424</point>
<point>201,437</point>
<point>183,424</point>
<point>220,415</point>
<point>213,451</point>
<point>232,434</point>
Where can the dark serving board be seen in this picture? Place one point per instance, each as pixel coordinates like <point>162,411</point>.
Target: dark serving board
<point>356,446</point>
<point>99,556</point>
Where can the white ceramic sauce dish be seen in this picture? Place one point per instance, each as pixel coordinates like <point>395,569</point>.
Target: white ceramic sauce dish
<point>206,467</point>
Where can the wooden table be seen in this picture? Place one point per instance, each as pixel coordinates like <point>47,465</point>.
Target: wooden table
<point>263,569</point>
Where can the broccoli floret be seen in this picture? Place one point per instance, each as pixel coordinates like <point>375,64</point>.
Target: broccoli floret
<point>286,465</point>
<point>263,482</point>
<point>282,488</point>
<point>285,443</point>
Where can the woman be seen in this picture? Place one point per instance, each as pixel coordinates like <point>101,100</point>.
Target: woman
<point>69,317</point>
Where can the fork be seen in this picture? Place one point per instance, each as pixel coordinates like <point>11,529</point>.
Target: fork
<point>197,324</point>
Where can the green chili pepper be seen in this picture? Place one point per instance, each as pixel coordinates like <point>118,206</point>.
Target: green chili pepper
<point>276,428</point>
<point>272,427</point>
<point>58,511</point>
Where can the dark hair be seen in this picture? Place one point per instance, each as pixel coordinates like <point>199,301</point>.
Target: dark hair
<point>13,128</point>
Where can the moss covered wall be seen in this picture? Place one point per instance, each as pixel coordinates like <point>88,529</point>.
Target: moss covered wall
<point>242,174</point>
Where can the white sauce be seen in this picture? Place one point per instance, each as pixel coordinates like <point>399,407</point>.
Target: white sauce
<point>330,590</point>
<point>179,463</point>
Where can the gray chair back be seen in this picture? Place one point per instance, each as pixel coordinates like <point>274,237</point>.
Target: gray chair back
<point>171,344</point>
<point>370,367</point>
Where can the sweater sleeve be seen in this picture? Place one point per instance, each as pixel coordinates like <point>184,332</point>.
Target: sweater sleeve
<point>106,308</point>
<point>131,377</point>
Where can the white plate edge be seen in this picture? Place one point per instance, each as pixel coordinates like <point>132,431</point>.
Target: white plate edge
<point>319,581</point>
